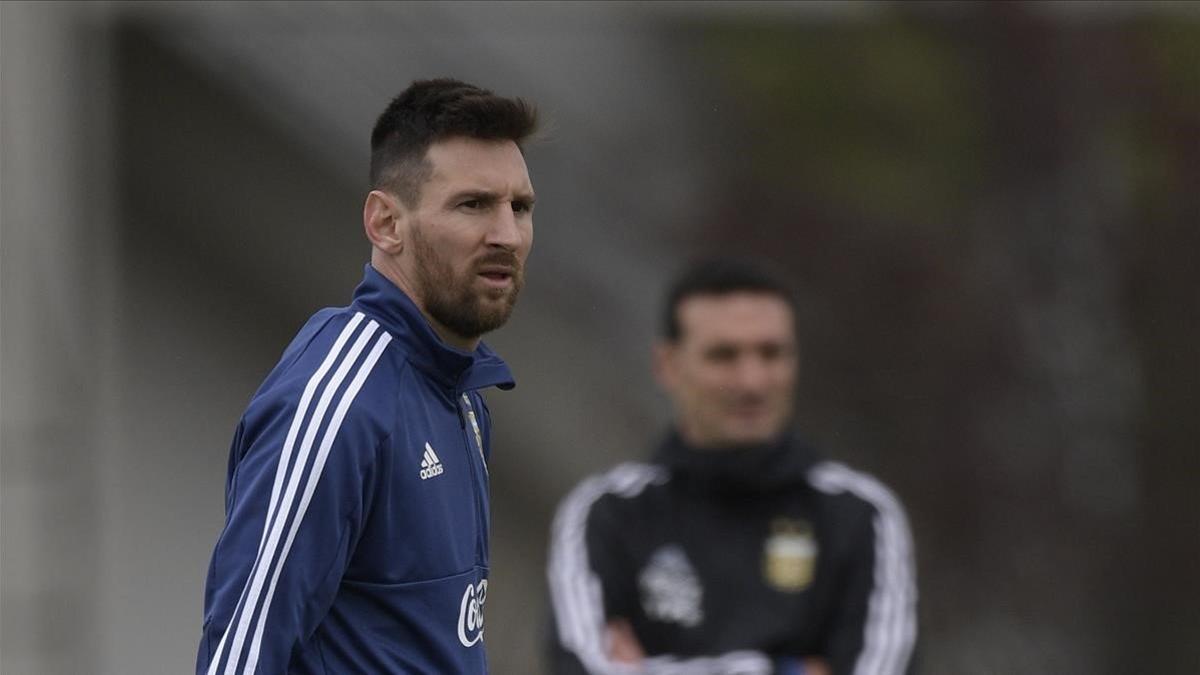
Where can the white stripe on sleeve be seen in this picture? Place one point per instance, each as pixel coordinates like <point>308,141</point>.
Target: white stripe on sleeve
<point>289,497</point>
<point>575,590</point>
<point>891,625</point>
<point>281,469</point>
<point>315,475</point>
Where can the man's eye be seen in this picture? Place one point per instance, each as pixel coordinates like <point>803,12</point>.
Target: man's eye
<point>472,204</point>
<point>722,355</point>
<point>521,207</point>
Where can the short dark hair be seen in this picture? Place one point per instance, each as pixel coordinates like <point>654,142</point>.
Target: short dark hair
<point>432,110</point>
<point>720,276</point>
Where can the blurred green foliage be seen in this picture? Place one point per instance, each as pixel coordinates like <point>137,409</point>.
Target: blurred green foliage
<point>879,117</point>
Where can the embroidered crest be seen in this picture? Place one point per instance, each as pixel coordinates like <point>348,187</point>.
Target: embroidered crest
<point>789,555</point>
<point>475,428</point>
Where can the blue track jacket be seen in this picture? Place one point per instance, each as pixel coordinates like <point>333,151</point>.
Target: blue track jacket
<point>356,531</point>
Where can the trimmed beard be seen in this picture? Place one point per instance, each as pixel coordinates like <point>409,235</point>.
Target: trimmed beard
<point>454,302</point>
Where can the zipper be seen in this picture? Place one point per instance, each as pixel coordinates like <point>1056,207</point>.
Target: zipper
<point>466,412</point>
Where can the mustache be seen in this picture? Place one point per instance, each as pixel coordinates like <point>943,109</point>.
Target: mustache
<point>500,259</point>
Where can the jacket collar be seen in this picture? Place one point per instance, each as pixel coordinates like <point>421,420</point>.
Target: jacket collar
<point>735,470</point>
<point>450,367</point>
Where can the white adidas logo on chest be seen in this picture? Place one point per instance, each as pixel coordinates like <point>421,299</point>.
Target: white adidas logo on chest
<point>431,465</point>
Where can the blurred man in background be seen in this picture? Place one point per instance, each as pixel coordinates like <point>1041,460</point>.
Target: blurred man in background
<point>737,550</point>
<point>356,533</point>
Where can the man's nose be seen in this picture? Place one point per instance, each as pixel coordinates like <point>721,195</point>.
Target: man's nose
<point>505,230</point>
<point>752,373</point>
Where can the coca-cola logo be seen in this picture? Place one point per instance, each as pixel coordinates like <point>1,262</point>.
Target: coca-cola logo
<point>470,613</point>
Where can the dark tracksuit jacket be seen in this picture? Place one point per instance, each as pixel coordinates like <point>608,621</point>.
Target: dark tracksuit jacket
<point>356,532</point>
<point>733,562</point>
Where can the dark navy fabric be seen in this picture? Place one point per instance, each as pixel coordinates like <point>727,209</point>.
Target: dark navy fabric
<point>356,533</point>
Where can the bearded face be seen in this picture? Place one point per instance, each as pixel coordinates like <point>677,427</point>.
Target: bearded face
<point>460,252</point>
<point>469,299</point>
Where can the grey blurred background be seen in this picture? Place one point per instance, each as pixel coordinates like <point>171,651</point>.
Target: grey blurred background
<point>991,210</point>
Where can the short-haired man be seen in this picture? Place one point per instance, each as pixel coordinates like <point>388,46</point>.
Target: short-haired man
<point>736,550</point>
<point>356,533</point>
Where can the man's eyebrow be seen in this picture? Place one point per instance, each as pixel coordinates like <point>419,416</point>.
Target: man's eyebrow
<point>487,196</point>
<point>475,195</point>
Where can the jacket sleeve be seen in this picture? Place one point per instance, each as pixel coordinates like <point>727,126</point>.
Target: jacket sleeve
<point>579,611</point>
<point>301,481</point>
<point>874,629</point>
<point>591,582</point>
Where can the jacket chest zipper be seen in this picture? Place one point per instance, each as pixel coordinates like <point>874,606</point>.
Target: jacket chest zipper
<point>466,418</point>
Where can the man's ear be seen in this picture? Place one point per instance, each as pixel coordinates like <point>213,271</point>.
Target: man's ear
<point>385,221</point>
<point>664,365</point>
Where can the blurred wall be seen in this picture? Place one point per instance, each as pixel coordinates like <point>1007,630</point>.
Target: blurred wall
<point>990,209</point>
<point>56,293</point>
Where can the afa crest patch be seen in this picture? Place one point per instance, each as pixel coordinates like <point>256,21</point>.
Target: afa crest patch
<point>789,555</point>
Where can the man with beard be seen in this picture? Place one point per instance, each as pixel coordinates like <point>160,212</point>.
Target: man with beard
<point>356,533</point>
<point>737,550</point>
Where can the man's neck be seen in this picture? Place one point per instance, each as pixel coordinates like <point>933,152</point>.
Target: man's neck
<point>709,445</point>
<point>448,336</point>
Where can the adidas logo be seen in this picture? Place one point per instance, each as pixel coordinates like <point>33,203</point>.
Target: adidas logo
<point>430,465</point>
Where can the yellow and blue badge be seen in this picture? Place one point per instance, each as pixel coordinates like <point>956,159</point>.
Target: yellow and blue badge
<point>790,555</point>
